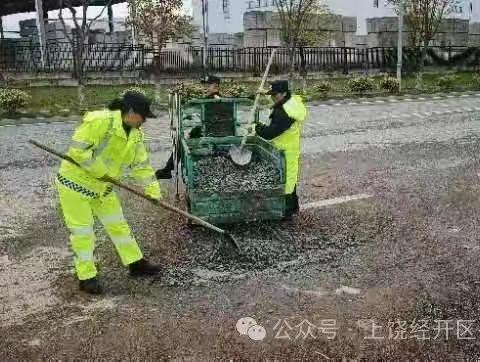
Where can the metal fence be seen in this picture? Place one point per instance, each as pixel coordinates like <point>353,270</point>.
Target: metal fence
<point>253,60</point>
<point>58,57</point>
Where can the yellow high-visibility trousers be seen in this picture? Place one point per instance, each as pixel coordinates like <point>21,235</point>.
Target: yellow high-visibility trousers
<point>78,211</point>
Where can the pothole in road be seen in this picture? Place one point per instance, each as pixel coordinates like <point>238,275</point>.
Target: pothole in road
<point>266,247</point>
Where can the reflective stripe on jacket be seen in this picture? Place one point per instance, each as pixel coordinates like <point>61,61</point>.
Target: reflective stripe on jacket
<point>102,148</point>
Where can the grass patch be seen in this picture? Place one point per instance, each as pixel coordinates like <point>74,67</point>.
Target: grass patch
<point>63,101</point>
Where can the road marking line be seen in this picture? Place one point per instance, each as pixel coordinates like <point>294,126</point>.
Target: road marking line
<point>450,96</point>
<point>335,201</point>
<point>407,99</point>
<point>421,99</point>
<point>338,104</point>
<point>417,115</point>
<point>437,97</point>
<point>465,95</point>
<point>366,102</point>
<point>379,101</point>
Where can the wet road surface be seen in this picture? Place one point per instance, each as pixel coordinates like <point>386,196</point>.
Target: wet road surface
<point>345,281</point>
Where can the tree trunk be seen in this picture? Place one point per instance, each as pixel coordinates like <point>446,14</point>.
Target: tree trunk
<point>158,88</point>
<point>421,68</point>
<point>303,68</point>
<point>291,56</point>
<point>79,72</point>
<point>81,95</point>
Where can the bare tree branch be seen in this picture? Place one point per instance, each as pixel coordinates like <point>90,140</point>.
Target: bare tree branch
<point>64,26</point>
<point>99,15</point>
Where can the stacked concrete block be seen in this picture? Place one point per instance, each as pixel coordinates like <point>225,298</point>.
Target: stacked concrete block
<point>474,35</point>
<point>238,39</point>
<point>255,38</point>
<point>263,28</point>
<point>54,32</point>
<point>383,32</point>
<point>28,28</point>
<point>349,24</point>
<point>220,40</point>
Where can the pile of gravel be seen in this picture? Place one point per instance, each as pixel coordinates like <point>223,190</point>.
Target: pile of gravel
<point>219,173</point>
<point>263,245</point>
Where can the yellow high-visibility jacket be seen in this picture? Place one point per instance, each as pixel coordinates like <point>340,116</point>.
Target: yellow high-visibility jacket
<point>102,148</point>
<point>284,133</point>
<point>289,141</point>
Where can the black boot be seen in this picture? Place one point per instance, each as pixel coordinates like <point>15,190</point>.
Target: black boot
<point>292,206</point>
<point>91,286</point>
<point>166,172</point>
<point>143,268</point>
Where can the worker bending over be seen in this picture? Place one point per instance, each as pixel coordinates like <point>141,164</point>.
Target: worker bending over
<point>212,87</point>
<point>109,143</point>
<point>287,117</point>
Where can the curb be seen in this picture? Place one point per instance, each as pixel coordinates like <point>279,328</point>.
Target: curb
<point>394,99</point>
<point>23,121</point>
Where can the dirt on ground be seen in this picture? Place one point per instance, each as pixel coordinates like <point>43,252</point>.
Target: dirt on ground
<point>391,277</point>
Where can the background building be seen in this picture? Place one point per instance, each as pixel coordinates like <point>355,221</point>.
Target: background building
<point>226,16</point>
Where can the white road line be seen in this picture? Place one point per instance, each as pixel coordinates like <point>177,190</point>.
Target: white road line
<point>335,201</point>
<point>407,99</point>
<point>417,115</point>
<point>421,99</point>
<point>450,96</point>
<point>393,100</point>
<point>437,97</point>
<point>366,102</point>
<point>338,104</point>
<point>465,95</point>
<point>379,101</point>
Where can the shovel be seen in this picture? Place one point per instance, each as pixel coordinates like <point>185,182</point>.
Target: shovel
<point>162,204</point>
<point>241,155</point>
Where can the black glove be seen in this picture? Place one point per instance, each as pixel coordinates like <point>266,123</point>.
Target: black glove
<point>196,132</point>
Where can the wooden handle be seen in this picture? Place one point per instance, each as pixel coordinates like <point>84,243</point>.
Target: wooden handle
<point>136,192</point>
<point>257,97</point>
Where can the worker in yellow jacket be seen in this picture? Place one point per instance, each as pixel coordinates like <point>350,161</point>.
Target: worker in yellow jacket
<point>287,118</point>
<point>108,143</point>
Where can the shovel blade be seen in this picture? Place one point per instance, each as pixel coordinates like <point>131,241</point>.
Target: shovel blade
<point>241,156</point>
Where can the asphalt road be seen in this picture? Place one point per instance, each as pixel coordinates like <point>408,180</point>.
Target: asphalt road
<point>393,276</point>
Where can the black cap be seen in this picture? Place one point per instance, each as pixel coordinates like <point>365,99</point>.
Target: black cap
<point>211,79</point>
<point>278,86</point>
<point>139,103</point>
